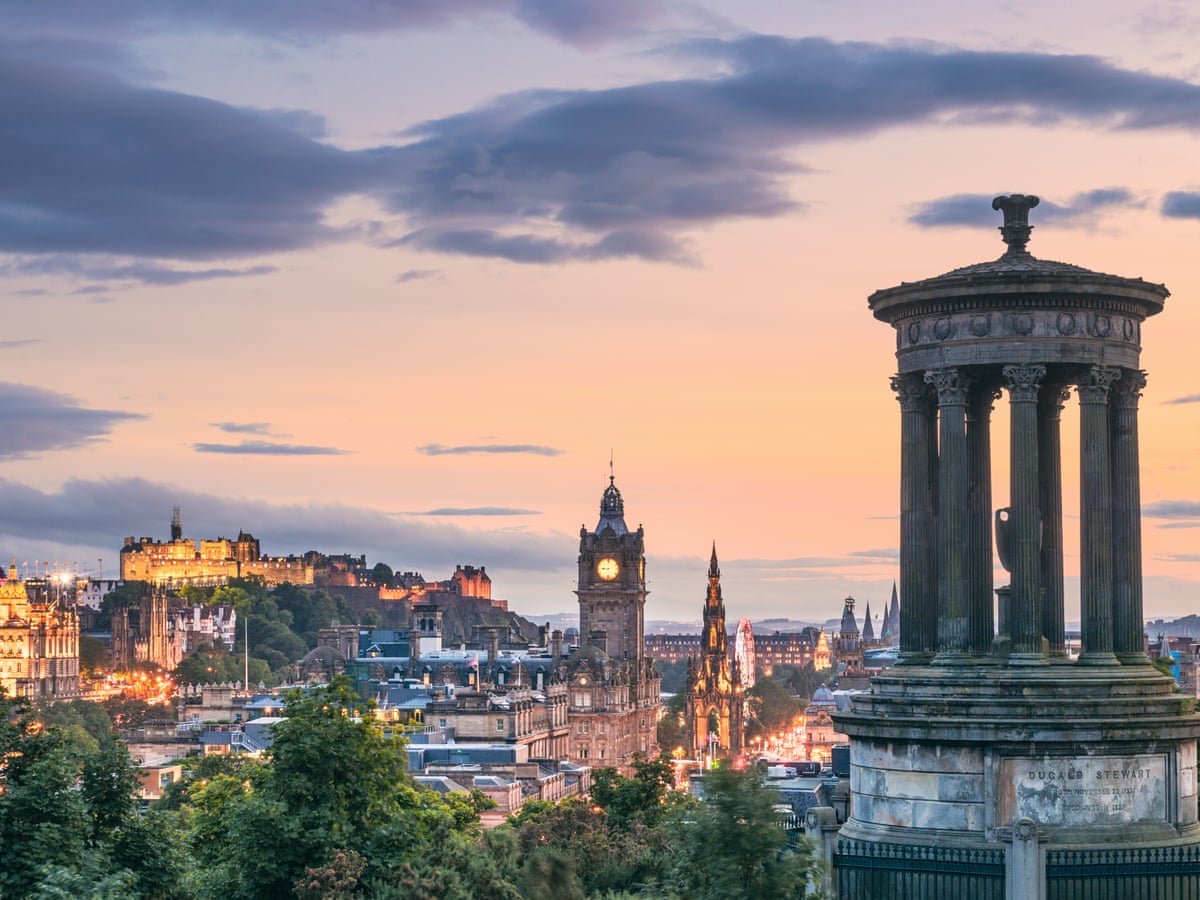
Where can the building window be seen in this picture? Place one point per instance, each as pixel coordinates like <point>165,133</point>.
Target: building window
<point>583,728</point>
<point>583,698</point>
<point>499,724</point>
<point>441,723</point>
<point>602,728</point>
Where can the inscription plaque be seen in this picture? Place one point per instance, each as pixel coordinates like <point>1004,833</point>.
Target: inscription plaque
<point>1084,790</point>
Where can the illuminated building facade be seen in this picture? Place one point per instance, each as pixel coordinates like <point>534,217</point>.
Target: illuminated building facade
<point>39,642</point>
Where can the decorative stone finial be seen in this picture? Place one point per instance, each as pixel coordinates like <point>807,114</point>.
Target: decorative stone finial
<point>1016,227</point>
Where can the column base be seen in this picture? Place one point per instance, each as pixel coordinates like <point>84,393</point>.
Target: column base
<point>953,658</point>
<point>1134,659</point>
<point>1097,658</point>
<point>914,658</point>
<point>1027,658</point>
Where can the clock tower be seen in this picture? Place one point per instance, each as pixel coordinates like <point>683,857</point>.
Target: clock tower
<point>612,581</point>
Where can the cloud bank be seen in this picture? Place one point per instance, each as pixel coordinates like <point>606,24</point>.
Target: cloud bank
<point>975,210</point>
<point>579,22</point>
<point>472,449</point>
<point>38,421</point>
<point>92,164</point>
<point>96,515</point>
<point>268,448</point>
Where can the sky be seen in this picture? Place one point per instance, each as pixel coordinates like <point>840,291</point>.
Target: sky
<point>400,278</point>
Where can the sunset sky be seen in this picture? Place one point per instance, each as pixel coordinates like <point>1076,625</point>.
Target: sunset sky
<point>395,278</point>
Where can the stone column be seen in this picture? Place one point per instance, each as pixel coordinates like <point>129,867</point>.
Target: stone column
<point>952,520</point>
<point>1050,404</point>
<point>981,621</point>
<point>1095,513</point>
<point>1024,620</point>
<point>918,615</point>
<point>1128,626</point>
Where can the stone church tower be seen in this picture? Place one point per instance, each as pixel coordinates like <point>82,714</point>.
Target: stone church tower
<point>715,702</point>
<point>612,580</point>
<point>612,686</point>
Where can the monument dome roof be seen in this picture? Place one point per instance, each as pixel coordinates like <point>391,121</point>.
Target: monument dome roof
<point>1016,272</point>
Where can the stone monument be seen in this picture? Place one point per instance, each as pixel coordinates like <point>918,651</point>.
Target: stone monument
<point>987,739</point>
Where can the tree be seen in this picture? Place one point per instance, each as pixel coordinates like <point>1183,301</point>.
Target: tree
<point>334,784</point>
<point>93,655</point>
<point>383,575</point>
<point>670,727</point>
<point>127,595</point>
<point>772,708</point>
<point>638,799</point>
<point>733,847</point>
<point>68,820</point>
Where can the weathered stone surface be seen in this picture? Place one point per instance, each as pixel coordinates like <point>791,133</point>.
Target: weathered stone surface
<point>1084,790</point>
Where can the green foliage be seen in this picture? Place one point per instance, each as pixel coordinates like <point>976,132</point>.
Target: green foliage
<point>93,655</point>
<point>674,675</point>
<point>671,732</point>
<point>802,681</point>
<point>732,847</point>
<point>1165,665</point>
<point>334,792</point>
<point>68,820</point>
<point>772,708</point>
<point>93,718</point>
<point>640,799</point>
<point>130,712</point>
<point>383,575</point>
<point>127,595</point>
<point>283,624</point>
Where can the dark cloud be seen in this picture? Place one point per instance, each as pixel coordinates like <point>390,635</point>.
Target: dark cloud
<point>1181,205</point>
<point>975,210</point>
<point>96,515</point>
<point>268,448</point>
<point>38,421</point>
<point>259,428</point>
<point>1179,557</point>
<point>1172,509</point>
<point>18,342</point>
<point>415,275</point>
<point>479,511</point>
<point>579,22</point>
<point>90,164</point>
<point>1190,398</point>
<point>464,449</point>
<point>142,272</point>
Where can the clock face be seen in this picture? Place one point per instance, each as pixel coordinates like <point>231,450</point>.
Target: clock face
<point>608,568</point>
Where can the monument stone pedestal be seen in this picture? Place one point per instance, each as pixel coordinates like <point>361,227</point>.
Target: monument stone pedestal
<point>953,755</point>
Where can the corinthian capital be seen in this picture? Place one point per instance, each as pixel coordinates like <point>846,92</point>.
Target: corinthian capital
<point>911,391</point>
<point>1095,385</point>
<point>951,385</point>
<point>1023,382</point>
<point>1129,389</point>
